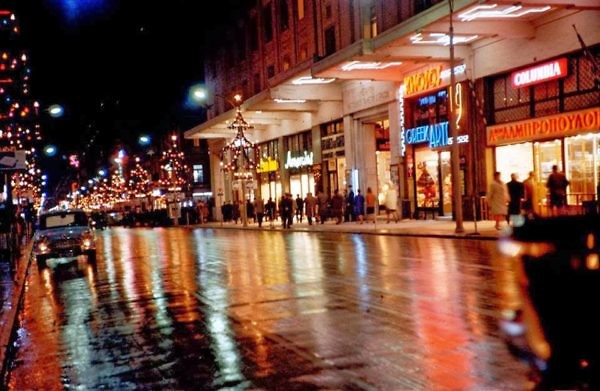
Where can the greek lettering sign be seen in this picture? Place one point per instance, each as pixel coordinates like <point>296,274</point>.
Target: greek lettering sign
<point>423,81</point>
<point>540,73</point>
<point>559,125</point>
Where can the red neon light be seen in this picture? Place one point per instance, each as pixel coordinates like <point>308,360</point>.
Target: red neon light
<point>540,73</point>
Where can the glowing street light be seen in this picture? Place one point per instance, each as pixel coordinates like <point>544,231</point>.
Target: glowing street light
<point>56,111</point>
<point>50,150</point>
<point>144,140</point>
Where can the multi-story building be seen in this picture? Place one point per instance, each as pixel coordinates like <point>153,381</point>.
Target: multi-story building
<point>357,92</point>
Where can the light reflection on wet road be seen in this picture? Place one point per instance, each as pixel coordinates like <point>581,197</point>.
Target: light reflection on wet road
<point>208,309</point>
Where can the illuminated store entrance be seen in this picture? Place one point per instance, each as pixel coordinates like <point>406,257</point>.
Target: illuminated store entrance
<point>433,180</point>
<point>383,156</point>
<point>581,164</point>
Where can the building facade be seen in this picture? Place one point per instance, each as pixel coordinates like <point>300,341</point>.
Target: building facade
<point>358,93</point>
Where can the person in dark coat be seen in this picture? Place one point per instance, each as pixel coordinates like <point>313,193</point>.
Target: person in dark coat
<point>349,209</point>
<point>337,206</point>
<point>287,210</point>
<point>516,192</point>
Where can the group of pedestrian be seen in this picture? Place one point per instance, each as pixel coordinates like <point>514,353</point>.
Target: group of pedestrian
<point>342,207</point>
<point>514,198</point>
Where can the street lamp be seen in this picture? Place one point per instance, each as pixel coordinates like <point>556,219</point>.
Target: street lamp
<point>456,180</point>
<point>239,157</point>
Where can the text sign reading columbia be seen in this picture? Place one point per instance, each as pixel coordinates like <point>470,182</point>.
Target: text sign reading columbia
<point>559,125</point>
<point>539,73</point>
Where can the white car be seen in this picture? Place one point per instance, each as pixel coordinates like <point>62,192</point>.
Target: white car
<point>63,234</point>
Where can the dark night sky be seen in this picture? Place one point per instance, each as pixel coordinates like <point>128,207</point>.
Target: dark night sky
<point>137,58</point>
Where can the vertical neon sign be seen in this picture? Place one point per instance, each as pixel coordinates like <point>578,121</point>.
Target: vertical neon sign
<point>401,92</point>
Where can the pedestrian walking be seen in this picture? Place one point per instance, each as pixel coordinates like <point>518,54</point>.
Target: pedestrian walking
<point>497,199</point>
<point>557,186</point>
<point>391,203</point>
<point>349,207</point>
<point>359,206</point>
<point>310,204</point>
<point>287,210</point>
<point>323,201</point>
<point>530,200</point>
<point>259,209</point>
<point>371,201</point>
<point>299,208</point>
<point>516,193</point>
<point>337,206</point>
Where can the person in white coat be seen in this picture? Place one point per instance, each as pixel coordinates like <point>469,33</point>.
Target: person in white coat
<point>391,203</point>
<point>497,199</point>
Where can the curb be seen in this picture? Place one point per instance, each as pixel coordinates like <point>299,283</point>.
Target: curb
<point>354,231</point>
<point>10,312</point>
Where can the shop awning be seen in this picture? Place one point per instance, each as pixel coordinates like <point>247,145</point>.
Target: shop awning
<point>423,40</point>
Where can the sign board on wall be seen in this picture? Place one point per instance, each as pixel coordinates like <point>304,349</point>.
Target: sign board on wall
<point>540,73</point>
<point>559,125</point>
<point>361,95</point>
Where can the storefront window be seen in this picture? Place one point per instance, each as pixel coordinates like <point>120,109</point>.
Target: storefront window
<point>581,167</point>
<point>547,154</point>
<point>427,183</point>
<point>517,159</point>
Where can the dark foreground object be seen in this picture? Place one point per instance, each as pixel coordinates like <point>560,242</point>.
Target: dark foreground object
<point>559,266</point>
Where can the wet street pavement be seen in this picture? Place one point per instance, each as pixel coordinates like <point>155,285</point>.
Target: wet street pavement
<point>245,309</point>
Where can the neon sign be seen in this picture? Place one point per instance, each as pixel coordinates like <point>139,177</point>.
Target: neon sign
<point>267,165</point>
<point>436,135</point>
<point>423,81</point>
<point>299,161</point>
<point>540,73</point>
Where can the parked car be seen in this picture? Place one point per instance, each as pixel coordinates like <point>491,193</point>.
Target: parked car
<point>63,234</point>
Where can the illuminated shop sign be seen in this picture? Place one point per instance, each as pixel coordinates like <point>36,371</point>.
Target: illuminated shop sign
<point>540,73</point>
<point>267,165</point>
<point>429,79</point>
<point>423,81</point>
<point>436,135</point>
<point>299,161</point>
<point>546,127</point>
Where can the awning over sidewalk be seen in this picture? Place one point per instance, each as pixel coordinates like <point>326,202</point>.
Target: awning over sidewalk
<point>419,42</point>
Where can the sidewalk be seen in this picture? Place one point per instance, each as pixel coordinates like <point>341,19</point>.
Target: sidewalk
<point>12,287</point>
<point>424,228</point>
<point>12,283</point>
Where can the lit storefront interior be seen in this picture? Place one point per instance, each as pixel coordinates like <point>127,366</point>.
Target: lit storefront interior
<point>581,165</point>
<point>268,171</point>
<point>554,136</point>
<point>299,163</point>
<point>332,153</point>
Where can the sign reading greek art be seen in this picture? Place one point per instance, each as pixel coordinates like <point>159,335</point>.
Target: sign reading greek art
<point>299,161</point>
<point>267,165</point>
<point>559,125</point>
<point>540,73</point>
<point>436,135</point>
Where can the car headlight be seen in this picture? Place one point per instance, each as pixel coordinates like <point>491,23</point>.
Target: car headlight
<point>43,246</point>
<point>87,240</point>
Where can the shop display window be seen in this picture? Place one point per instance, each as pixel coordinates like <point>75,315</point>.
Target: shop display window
<point>430,109</point>
<point>582,167</point>
<point>427,180</point>
<point>517,158</point>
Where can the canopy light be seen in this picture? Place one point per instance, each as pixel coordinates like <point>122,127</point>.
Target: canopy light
<point>488,11</point>
<point>359,65</point>
<point>440,39</point>
<point>310,80</point>
<point>279,100</point>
